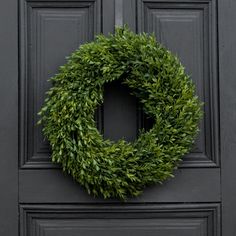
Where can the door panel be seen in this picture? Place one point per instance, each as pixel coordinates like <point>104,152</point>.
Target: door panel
<point>150,220</point>
<point>199,201</point>
<point>49,32</point>
<point>52,30</point>
<point>189,30</point>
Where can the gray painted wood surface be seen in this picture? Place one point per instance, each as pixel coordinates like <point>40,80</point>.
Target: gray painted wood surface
<point>8,118</point>
<point>199,201</point>
<point>227,71</point>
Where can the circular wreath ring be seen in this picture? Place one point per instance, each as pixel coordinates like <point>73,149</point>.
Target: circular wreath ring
<point>157,78</point>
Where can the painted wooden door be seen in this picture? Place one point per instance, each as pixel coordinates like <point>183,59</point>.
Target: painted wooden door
<point>36,198</point>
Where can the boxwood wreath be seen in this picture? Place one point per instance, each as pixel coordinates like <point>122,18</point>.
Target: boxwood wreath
<point>157,78</point>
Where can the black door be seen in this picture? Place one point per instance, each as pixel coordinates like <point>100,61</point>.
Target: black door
<point>36,198</point>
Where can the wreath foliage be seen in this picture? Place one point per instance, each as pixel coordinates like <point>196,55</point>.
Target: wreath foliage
<point>157,78</point>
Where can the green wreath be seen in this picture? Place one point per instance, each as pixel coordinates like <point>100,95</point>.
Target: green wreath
<point>157,78</point>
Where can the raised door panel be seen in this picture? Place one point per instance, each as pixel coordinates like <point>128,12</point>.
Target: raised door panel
<point>151,220</point>
<point>189,30</point>
<point>50,31</point>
